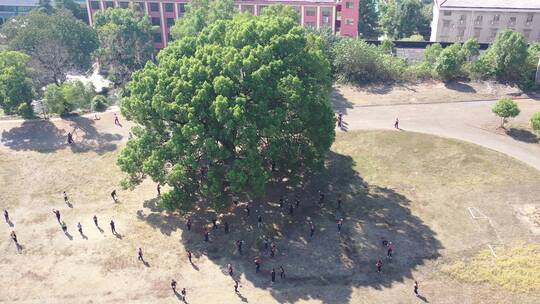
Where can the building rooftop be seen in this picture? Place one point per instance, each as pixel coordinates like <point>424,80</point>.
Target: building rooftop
<point>490,4</point>
<point>20,2</point>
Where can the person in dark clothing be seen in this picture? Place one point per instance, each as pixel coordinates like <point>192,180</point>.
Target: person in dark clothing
<point>206,235</point>
<point>116,120</point>
<point>66,199</point>
<point>64,227</point>
<point>265,241</point>
<point>396,123</point>
<point>188,224</point>
<point>281,202</point>
<point>281,272</point>
<point>339,202</point>
<point>291,210</point>
<point>226,227</point>
<point>321,198</point>
<point>273,275</point>
<point>183,293</point>
<point>70,138</point>
<point>57,214</point>
<point>6,216</point>
<point>140,253</point>
<point>79,227</point>
<point>114,196</point>
<point>416,288</point>
<point>379,266</point>
<point>236,286</point>
<point>247,210</point>
<point>340,120</point>
<point>239,246</point>
<point>257,265</point>
<point>259,221</point>
<point>113,228</point>
<point>189,256</point>
<point>158,188</point>
<point>339,224</point>
<point>14,237</point>
<point>230,269</point>
<point>389,252</point>
<point>214,224</point>
<point>311,231</point>
<point>96,221</point>
<point>297,202</point>
<point>173,285</point>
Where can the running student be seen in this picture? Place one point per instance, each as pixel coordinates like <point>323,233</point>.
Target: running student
<point>236,286</point>
<point>116,120</point>
<point>379,265</point>
<point>66,199</point>
<point>183,293</point>
<point>311,230</point>
<point>95,221</point>
<point>188,224</point>
<point>416,288</point>
<point>69,138</point>
<point>257,265</point>
<point>140,253</point>
<point>189,256</point>
<point>158,190</point>
<point>6,215</point>
<point>173,285</point>
<point>57,214</point>
<point>113,229</point>
<point>114,196</point>
<point>14,237</point>
<point>79,227</point>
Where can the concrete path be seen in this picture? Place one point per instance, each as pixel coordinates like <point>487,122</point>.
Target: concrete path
<point>469,121</point>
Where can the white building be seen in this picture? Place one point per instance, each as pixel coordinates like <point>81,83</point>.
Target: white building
<point>459,20</point>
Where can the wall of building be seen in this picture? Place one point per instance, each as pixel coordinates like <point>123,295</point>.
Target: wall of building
<point>459,25</point>
<point>339,15</point>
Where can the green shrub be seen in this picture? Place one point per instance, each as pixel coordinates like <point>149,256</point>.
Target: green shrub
<point>415,37</point>
<point>100,103</point>
<point>535,122</point>
<point>68,97</point>
<point>25,110</point>
<point>505,108</point>
<point>448,64</point>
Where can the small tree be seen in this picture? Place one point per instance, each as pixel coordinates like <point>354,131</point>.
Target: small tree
<point>505,108</point>
<point>448,64</point>
<point>535,122</point>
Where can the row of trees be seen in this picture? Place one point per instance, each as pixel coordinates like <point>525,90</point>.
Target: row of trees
<point>509,59</point>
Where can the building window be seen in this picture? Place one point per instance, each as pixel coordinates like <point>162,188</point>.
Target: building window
<point>479,20</point>
<point>169,7</point>
<point>181,8</point>
<point>94,5</point>
<point>326,11</point>
<point>446,23</point>
<point>109,4</point>
<point>154,7</point>
<point>512,21</point>
<point>124,4</point>
<point>349,4</point>
<point>448,13</point>
<point>462,19</point>
<point>529,19</point>
<point>496,19</point>
<point>170,22</point>
<point>155,21</point>
<point>157,38</point>
<point>248,8</point>
<point>349,21</point>
<point>311,11</point>
<point>527,34</point>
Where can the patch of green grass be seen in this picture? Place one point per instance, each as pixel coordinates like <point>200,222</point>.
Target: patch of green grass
<point>515,268</point>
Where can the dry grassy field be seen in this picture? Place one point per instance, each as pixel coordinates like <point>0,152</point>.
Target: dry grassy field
<point>456,214</point>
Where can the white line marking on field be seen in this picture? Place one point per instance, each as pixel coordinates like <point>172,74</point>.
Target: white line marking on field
<point>492,250</point>
<point>473,210</point>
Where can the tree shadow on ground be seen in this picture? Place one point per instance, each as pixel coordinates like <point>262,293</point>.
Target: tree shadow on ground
<point>522,135</point>
<point>45,137</point>
<point>327,267</point>
<point>338,102</point>
<point>459,86</point>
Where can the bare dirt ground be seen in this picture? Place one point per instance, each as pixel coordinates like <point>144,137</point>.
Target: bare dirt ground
<point>412,189</point>
<point>425,92</point>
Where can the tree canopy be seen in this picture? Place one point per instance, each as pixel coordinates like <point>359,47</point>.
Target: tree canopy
<point>125,42</point>
<point>57,43</point>
<point>507,55</point>
<point>403,18</point>
<point>201,13</point>
<point>505,108</point>
<point>16,90</point>
<point>219,108</point>
<point>535,122</point>
<point>368,19</point>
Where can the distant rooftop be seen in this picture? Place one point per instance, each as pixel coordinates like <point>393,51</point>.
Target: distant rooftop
<point>20,2</point>
<point>490,4</point>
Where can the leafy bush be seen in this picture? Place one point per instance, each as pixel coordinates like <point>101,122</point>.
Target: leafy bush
<point>448,64</point>
<point>25,110</point>
<point>68,97</point>
<point>505,108</point>
<point>535,122</point>
<point>415,37</point>
<point>100,103</point>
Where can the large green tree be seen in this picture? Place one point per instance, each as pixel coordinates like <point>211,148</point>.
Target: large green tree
<point>201,13</point>
<point>448,64</point>
<point>125,38</point>
<point>403,18</point>
<point>16,90</point>
<point>57,43</point>
<point>219,108</point>
<point>507,55</point>
<point>368,21</point>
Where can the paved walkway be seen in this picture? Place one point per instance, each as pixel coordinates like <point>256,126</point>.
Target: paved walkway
<point>469,121</point>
